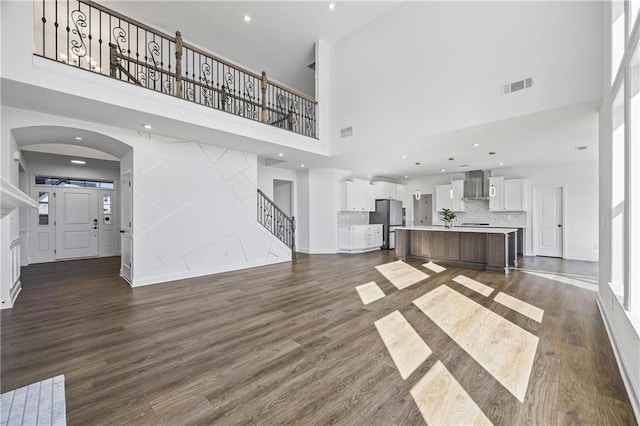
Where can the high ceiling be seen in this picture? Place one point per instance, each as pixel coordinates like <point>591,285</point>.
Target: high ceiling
<point>279,38</point>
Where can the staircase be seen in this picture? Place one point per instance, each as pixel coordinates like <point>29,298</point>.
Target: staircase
<point>277,222</point>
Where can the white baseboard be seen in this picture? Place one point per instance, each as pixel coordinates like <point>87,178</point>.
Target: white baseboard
<point>15,291</point>
<point>632,388</point>
<point>158,279</point>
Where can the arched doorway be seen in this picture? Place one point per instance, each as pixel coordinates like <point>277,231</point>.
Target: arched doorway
<point>82,182</point>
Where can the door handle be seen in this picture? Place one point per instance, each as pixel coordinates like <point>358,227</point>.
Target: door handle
<point>122,231</point>
<point>559,226</point>
<point>95,227</point>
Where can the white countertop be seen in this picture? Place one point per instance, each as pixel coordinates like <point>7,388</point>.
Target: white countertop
<point>481,230</point>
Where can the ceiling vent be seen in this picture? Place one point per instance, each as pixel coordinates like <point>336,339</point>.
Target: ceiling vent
<point>514,86</point>
<point>581,148</point>
<point>346,132</point>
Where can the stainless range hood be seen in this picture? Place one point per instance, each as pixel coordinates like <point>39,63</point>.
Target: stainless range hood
<point>476,185</point>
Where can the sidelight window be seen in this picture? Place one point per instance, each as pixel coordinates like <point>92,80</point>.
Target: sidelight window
<point>43,208</point>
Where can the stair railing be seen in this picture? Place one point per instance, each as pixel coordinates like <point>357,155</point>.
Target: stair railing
<point>277,222</point>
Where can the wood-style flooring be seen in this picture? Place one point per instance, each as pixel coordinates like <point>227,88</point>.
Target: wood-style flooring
<point>291,343</point>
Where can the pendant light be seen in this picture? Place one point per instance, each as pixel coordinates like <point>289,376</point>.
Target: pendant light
<point>417,193</point>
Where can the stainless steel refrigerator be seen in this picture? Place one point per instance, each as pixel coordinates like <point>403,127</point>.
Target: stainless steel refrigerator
<point>389,214</point>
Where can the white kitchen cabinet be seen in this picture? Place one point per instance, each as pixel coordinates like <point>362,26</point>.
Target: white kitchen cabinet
<point>496,188</point>
<point>359,238</point>
<point>386,191</point>
<point>514,195</point>
<point>356,196</point>
<point>457,195</point>
<point>371,197</point>
<point>443,198</point>
<point>507,195</point>
<point>450,196</point>
<point>401,193</point>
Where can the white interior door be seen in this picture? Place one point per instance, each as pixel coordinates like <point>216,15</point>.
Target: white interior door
<point>548,224</point>
<point>126,213</point>
<point>76,222</point>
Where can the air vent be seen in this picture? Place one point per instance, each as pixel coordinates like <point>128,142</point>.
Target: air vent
<point>517,85</point>
<point>581,148</point>
<point>346,132</point>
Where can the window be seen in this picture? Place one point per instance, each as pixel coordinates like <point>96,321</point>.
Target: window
<point>43,208</point>
<point>618,186</point>
<point>78,183</point>
<point>634,7</point>
<point>617,36</point>
<point>634,181</point>
<point>106,208</point>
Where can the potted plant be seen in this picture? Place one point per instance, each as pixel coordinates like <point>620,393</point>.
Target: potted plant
<point>447,217</point>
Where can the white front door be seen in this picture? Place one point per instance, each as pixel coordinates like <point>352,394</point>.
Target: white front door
<point>548,223</point>
<point>76,223</point>
<point>126,241</point>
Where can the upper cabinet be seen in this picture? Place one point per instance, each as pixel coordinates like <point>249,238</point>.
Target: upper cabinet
<point>450,196</point>
<point>386,191</point>
<point>496,185</point>
<point>356,195</point>
<point>401,194</point>
<point>507,194</point>
<point>514,195</point>
<point>457,195</point>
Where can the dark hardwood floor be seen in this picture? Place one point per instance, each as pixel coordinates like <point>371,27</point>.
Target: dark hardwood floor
<point>559,265</point>
<point>289,343</point>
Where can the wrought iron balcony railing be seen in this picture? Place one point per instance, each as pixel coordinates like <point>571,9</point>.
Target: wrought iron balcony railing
<point>89,36</point>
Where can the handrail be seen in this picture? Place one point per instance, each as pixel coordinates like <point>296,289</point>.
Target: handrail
<point>276,221</point>
<point>274,205</point>
<point>89,36</point>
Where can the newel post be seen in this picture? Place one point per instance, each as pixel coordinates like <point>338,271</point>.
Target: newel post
<point>178,91</point>
<point>264,84</point>
<point>113,59</point>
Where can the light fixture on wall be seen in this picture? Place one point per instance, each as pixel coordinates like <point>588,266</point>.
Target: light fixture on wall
<point>417,193</point>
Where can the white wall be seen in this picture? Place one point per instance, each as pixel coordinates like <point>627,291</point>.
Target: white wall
<point>399,78</point>
<point>194,204</point>
<point>302,205</point>
<point>283,195</point>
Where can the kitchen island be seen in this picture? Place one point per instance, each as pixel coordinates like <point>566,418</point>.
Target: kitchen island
<point>493,249</point>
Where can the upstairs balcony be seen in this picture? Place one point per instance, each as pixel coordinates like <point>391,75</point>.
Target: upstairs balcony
<point>88,36</point>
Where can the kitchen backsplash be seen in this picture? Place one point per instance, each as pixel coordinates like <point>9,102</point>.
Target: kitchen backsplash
<point>478,212</point>
<point>353,218</point>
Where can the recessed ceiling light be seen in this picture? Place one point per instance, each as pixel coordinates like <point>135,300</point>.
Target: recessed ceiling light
<point>404,156</point>
<point>475,145</point>
<point>406,177</point>
<point>280,154</point>
<point>500,164</point>
<point>386,171</point>
<point>442,170</point>
<point>247,18</point>
<point>78,162</point>
<point>492,153</point>
<point>301,165</point>
<point>331,6</point>
<point>78,138</point>
<point>147,126</point>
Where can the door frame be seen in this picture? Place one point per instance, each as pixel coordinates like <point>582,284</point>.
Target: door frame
<point>534,209</point>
